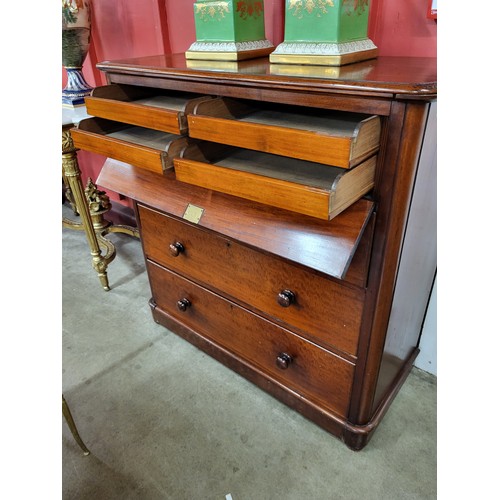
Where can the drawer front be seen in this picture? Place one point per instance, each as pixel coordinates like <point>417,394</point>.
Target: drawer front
<point>338,139</point>
<point>313,372</point>
<point>327,311</point>
<point>150,108</point>
<point>149,149</point>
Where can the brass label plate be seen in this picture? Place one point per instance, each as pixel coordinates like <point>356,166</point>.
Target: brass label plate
<point>193,213</point>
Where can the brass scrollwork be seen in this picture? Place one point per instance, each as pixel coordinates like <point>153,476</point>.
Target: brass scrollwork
<point>67,142</point>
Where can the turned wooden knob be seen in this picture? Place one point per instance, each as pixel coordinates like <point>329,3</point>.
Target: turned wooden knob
<point>284,360</point>
<point>176,248</point>
<point>286,298</point>
<point>183,304</point>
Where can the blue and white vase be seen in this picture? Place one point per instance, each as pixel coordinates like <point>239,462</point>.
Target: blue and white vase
<point>75,46</point>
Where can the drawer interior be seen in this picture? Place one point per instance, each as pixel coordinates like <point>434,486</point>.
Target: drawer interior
<point>302,186</point>
<point>160,98</point>
<point>280,167</point>
<point>158,109</point>
<point>133,93</point>
<point>128,133</point>
<point>143,136</point>
<point>334,138</point>
<point>150,149</point>
<point>326,122</point>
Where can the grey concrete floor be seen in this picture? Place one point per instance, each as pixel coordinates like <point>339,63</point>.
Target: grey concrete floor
<point>165,421</point>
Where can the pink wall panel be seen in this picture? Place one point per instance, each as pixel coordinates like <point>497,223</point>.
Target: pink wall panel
<point>180,19</point>
<point>274,11</point>
<point>127,28</point>
<point>130,28</point>
<point>402,29</point>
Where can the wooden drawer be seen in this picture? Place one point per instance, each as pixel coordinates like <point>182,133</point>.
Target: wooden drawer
<point>330,247</point>
<point>324,310</point>
<point>313,372</point>
<point>301,186</point>
<point>332,138</point>
<point>158,109</point>
<point>145,148</point>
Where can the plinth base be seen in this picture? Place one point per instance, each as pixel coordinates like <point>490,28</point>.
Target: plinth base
<point>323,54</point>
<point>229,51</point>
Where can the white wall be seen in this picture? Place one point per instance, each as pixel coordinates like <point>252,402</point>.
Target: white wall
<point>427,359</point>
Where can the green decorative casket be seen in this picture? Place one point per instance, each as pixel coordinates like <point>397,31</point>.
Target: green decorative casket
<point>325,32</point>
<point>229,30</point>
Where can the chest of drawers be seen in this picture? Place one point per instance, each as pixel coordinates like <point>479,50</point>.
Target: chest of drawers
<point>302,304</point>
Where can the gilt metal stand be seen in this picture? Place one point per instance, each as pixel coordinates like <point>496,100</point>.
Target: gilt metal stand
<point>72,426</point>
<point>90,205</point>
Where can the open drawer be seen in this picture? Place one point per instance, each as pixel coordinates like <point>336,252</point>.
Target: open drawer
<point>329,248</point>
<point>158,109</point>
<point>308,188</point>
<point>145,148</point>
<point>323,136</point>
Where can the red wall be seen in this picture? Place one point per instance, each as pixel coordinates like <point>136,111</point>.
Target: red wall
<point>401,28</point>
<point>128,28</point>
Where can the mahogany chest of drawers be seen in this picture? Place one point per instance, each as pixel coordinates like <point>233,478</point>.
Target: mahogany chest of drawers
<point>282,211</point>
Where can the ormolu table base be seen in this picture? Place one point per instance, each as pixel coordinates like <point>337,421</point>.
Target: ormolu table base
<point>89,204</point>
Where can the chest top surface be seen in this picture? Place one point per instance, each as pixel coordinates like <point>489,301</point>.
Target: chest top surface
<point>390,77</point>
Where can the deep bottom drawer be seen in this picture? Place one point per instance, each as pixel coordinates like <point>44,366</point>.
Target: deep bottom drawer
<point>317,374</point>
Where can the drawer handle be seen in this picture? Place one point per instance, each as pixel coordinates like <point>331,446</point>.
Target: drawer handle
<point>286,298</point>
<point>284,360</point>
<point>176,248</point>
<point>183,304</point>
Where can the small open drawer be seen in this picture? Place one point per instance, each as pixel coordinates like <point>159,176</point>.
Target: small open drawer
<point>158,109</point>
<point>142,147</point>
<point>323,136</point>
<point>308,188</point>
